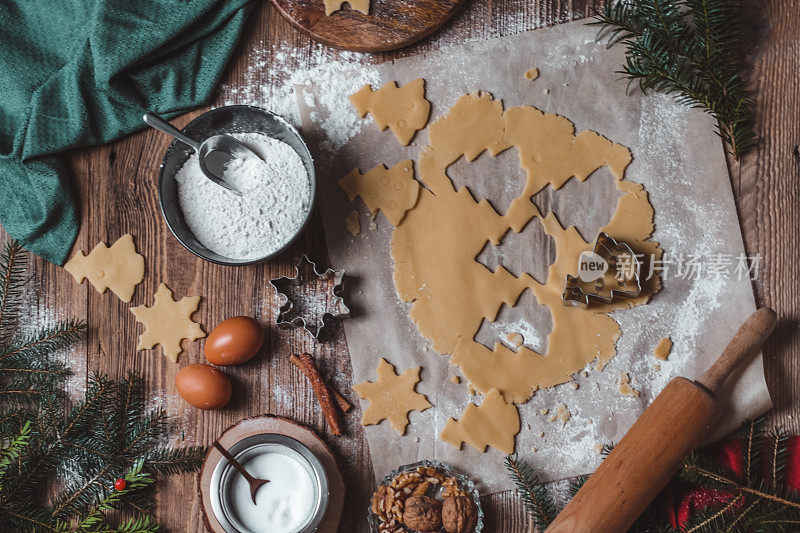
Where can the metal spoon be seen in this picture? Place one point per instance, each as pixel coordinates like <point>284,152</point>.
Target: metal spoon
<point>254,482</point>
<point>215,153</point>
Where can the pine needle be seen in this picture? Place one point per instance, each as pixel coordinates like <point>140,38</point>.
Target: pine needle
<point>538,502</point>
<point>757,501</point>
<point>110,433</point>
<point>691,50</point>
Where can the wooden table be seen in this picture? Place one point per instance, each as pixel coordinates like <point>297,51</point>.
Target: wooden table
<point>117,186</point>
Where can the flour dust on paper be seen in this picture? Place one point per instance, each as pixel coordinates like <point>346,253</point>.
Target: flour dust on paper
<point>438,235</point>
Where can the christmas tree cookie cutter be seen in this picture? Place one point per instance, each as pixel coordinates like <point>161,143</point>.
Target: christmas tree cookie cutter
<point>313,313</point>
<point>594,281</point>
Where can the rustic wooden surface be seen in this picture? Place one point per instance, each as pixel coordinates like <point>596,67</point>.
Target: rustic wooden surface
<point>118,194</point>
<point>388,26</point>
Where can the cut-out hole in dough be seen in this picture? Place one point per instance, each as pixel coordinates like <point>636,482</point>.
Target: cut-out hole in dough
<point>528,318</point>
<point>575,204</point>
<point>530,251</point>
<point>480,176</point>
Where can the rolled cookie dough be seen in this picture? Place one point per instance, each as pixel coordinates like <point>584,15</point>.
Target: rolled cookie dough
<point>435,244</point>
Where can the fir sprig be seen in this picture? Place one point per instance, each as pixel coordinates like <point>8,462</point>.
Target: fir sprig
<point>13,449</point>
<point>136,480</point>
<point>690,49</point>
<point>539,503</point>
<point>755,501</point>
<point>84,446</point>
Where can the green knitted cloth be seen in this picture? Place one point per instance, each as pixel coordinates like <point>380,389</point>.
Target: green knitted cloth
<point>81,72</point>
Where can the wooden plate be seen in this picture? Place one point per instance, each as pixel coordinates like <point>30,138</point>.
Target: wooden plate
<point>281,426</point>
<point>391,24</point>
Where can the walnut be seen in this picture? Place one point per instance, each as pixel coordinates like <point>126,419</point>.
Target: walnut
<point>459,515</point>
<point>423,513</point>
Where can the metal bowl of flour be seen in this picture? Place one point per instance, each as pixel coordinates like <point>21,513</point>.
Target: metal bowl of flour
<point>228,119</point>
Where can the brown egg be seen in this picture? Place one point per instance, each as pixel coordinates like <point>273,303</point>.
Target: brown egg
<point>234,341</point>
<point>203,386</point>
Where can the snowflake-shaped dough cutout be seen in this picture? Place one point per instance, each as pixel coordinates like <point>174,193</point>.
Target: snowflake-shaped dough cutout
<point>391,397</point>
<point>168,322</point>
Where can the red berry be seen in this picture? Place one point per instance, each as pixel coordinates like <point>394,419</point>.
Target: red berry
<point>120,484</point>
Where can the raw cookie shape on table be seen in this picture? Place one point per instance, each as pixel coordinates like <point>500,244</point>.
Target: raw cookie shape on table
<point>493,423</point>
<point>434,258</point>
<point>118,267</point>
<point>332,6</point>
<point>662,349</point>
<point>404,109</point>
<point>168,322</point>
<point>353,223</point>
<point>393,191</point>
<point>391,397</point>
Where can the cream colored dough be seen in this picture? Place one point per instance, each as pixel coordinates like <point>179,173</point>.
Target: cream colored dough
<point>434,246</point>
<point>393,191</point>
<point>168,322</point>
<point>404,110</point>
<point>663,348</point>
<point>391,397</point>
<point>118,267</point>
<point>494,423</point>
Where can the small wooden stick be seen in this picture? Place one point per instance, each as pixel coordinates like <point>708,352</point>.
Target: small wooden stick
<point>342,402</point>
<point>306,365</point>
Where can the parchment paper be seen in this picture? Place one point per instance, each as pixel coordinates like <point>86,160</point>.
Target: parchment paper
<point>675,155</point>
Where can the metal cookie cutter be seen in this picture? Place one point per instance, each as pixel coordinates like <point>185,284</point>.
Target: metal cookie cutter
<point>619,257</point>
<point>312,314</point>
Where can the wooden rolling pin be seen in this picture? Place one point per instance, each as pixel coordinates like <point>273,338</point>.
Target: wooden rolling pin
<point>650,454</point>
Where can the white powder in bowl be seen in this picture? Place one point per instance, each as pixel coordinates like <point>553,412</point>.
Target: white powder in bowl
<point>276,193</point>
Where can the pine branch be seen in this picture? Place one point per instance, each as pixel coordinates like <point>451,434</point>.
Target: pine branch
<point>84,447</point>
<point>690,49</point>
<point>44,342</point>
<point>11,280</point>
<point>14,448</point>
<point>538,501</point>
<point>575,484</point>
<point>778,447</point>
<point>752,442</point>
<point>172,461</point>
<point>713,519</point>
<point>136,481</point>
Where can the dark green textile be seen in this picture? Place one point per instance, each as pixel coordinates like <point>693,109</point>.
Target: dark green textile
<point>81,72</point>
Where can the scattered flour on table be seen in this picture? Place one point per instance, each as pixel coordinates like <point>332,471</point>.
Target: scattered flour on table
<point>276,195</point>
<point>281,80</point>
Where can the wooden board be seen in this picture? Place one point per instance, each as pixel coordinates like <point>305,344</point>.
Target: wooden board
<point>280,426</point>
<point>389,25</point>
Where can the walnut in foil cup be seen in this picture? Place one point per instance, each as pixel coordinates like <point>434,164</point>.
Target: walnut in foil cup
<point>430,479</point>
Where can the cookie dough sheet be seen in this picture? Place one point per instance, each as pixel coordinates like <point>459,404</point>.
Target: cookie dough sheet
<point>677,158</point>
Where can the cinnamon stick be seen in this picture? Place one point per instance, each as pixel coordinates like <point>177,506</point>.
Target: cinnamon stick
<point>341,401</point>
<point>324,396</point>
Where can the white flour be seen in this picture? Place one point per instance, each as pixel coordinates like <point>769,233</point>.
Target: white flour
<point>275,198</point>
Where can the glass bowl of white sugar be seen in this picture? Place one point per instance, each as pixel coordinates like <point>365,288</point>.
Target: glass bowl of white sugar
<point>277,189</point>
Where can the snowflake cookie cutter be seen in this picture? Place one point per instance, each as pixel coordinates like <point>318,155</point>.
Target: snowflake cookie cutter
<point>614,255</point>
<point>297,312</point>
